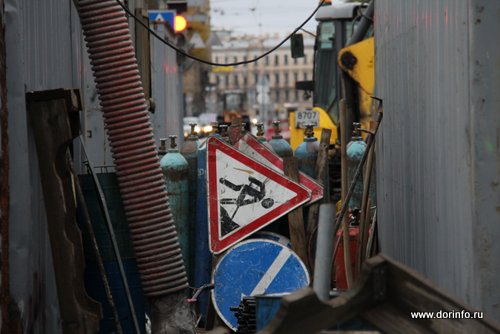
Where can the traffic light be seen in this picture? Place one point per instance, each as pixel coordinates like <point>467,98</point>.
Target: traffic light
<point>297,46</point>
<point>180,6</point>
<point>180,23</point>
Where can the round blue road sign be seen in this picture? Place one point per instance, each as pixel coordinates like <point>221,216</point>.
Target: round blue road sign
<point>255,267</point>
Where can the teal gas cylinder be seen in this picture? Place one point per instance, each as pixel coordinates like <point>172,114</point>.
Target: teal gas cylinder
<point>162,149</point>
<point>280,146</point>
<point>307,152</point>
<point>175,170</point>
<point>355,151</point>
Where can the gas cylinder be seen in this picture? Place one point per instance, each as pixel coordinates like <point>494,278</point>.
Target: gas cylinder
<point>189,151</point>
<point>307,152</point>
<point>224,133</point>
<point>355,151</point>
<point>339,264</point>
<point>162,149</point>
<point>280,145</point>
<point>260,136</point>
<point>175,171</point>
<point>203,256</point>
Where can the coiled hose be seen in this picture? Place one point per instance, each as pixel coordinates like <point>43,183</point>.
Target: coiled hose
<point>130,134</point>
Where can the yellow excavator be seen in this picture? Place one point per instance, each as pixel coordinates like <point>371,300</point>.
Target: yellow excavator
<point>344,52</point>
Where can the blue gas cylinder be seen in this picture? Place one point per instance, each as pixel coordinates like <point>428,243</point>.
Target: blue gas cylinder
<point>203,256</point>
<point>175,170</point>
<point>355,151</point>
<point>307,152</point>
<point>280,146</point>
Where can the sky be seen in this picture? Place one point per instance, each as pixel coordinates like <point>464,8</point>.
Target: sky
<point>262,16</point>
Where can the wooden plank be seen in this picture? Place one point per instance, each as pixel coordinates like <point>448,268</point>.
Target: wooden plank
<point>384,296</point>
<point>296,217</point>
<point>52,132</point>
<point>218,330</point>
<point>321,177</point>
<point>302,312</point>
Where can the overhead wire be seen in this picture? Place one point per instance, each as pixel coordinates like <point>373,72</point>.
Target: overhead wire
<point>184,53</point>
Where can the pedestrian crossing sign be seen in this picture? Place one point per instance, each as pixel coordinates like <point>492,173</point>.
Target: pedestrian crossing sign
<point>244,195</point>
<point>162,16</point>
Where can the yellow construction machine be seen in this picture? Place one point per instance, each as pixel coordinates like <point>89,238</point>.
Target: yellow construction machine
<point>344,52</point>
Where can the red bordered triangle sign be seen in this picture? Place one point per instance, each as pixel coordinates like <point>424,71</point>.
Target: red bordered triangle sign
<point>244,195</point>
<point>251,146</point>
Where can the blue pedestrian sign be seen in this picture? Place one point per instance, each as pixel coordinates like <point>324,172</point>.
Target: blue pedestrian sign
<point>255,267</point>
<point>162,16</point>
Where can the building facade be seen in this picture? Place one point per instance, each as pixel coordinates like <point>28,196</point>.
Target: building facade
<point>270,81</point>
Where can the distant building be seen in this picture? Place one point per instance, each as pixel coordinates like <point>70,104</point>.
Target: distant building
<point>277,71</point>
<point>196,39</point>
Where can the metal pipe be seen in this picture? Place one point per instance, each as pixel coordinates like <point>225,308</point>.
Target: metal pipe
<point>365,208</point>
<point>363,25</point>
<point>324,251</point>
<point>345,223</point>
<point>109,226</point>
<point>372,236</point>
<point>370,142</point>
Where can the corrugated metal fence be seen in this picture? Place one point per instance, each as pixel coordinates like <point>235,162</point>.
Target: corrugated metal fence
<point>43,52</point>
<point>438,153</point>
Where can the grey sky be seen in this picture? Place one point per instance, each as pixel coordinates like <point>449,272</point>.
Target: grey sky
<point>261,16</point>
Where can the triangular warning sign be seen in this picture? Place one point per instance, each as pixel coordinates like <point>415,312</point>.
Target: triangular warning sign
<point>244,195</point>
<point>251,146</point>
<point>197,41</point>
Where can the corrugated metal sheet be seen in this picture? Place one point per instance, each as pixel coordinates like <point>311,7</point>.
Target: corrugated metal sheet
<point>92,122</point>
<point>43,52</point>
<point>166,88</point>
<point>438,153</point>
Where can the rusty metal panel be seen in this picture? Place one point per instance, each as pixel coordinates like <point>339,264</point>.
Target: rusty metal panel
<point>438,153</point>
<point>43,43</point>
<point>166,88</point>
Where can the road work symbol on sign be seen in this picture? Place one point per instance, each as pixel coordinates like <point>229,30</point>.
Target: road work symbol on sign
<point>252,147</point>
<point>255,267</point>
<point>244,195</point>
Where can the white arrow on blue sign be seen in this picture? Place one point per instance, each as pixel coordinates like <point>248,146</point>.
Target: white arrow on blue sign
<point>255,267</point>
<point>162,16</point>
